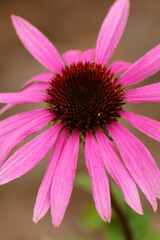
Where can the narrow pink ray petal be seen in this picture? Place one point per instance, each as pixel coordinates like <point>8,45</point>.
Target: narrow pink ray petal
<point>87,56</point>
<point>119,66</point>
<point>33,125</point>
<point>100,184</point>
<point>146,66</point>
<point>149,93</point>
<point>38,87</point>
<point>43,77</point>
<point>43,198</point>
<point>6,107</point>
<point>22,97</point>
<point>118,172</point>
<point>72,56</point>
<point>144,124</point>
<point>63,179</point>
<point>9,124</point>
<point>138,161</point>
<point>25,158</point>
<point>41,86</point>
<point>111,31</point>
<point>37,44</point>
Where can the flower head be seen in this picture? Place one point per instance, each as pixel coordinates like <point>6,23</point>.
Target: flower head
<point>85,97</point>
<point>83,100</point>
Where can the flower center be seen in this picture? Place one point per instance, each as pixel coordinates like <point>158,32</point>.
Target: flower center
<point>85,97</point>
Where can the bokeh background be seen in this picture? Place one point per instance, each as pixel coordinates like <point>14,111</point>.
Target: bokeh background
<point>69,24</point>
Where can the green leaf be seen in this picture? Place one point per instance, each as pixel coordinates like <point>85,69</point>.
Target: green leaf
<point>114,231</point>
<point>90,221</point>
<point>153,236</point>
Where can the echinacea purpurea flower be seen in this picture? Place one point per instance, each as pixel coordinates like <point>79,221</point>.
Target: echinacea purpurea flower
<point>84,100</point>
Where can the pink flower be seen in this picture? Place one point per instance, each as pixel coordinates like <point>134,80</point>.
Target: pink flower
<point>84,101</point>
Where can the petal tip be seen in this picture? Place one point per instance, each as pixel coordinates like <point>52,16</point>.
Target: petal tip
<point>140,211</point>
<point>56,223</point>
<point>154,208</point>
<point>16,20</point>
<point>35,221</point>
<point>14,17</point>
<point>106,217</point>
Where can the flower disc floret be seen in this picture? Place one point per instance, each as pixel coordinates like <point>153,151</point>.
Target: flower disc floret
<point>85,97</point>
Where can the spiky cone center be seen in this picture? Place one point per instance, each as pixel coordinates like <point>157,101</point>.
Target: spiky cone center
<point>85,97</point>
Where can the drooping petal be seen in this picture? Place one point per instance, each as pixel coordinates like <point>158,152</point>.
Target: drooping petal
<point>118,172</point>
<point>138,161</point>
<point>43,198</point>
<point>72,56</point>
<point>146,66</point>
<point>87,56</point>
<point>111,31</point>
<point>9,124</point>
<point>33,125</point>
<point>119,66</point>
<point>25,158</point>
<point>144,124</point>
<point>149,93</point>
<point>63,179</point>
<point>37,44</point>
<point>100,184</point>
<point>22,97</point>
<point>43,77</point>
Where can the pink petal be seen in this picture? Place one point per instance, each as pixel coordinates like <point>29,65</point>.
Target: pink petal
<point>119,66</point>
<point>38,87</point>
<point>138,161</point>
<point>37,44</point>
<point>9,124</point>
<point>111,31</point>
<point>144,124</point>
<point>41,86</point>
<point>21,97</point>
<point>118,172</point>
<point>33,125</point>
<point>146,66</point>
<point>6,107</point>
<point>72,56</point>
<point>25,158</point>
<point>43,198</point>
<point>87,56</point>
<point>43,77</point>
<point>63,179</point>
<point>149,93</point>
<point>100,184</point>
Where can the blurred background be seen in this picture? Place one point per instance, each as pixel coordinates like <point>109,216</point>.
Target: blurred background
<point>69,24</point>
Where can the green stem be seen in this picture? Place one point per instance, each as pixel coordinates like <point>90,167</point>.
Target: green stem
<point>123,219</point>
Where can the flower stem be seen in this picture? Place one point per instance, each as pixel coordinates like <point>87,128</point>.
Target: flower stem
<point>123,219</point>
